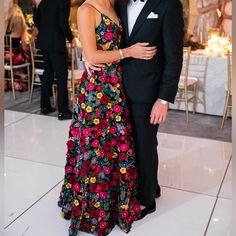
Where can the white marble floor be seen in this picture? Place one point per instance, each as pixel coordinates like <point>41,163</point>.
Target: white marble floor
<point>195,175</point>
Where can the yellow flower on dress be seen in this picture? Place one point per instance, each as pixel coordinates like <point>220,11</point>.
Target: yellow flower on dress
<point>123,170</point>
<point>82,105</point>
<point>109,64</point>
<point>97,204</point>
<point>118,118</point>
<point>62,214</point>
<point>93,180</point>
<point>124,207</point>
<point>96,121</point>
<point>108,129</point>
<point>86,215</point>
<point>92,80</point>
<point>93,228</point>
<point>107,21</point>
<point>98,37</point>
<point>97,152</point>
<point>86,180</point>
<point>114,155</point>
<point>109,105</point>
<point>99,95</point>
<point>82,91</point>
<point>76,202</point>
<point>68,185</point>
<point>89,109</point>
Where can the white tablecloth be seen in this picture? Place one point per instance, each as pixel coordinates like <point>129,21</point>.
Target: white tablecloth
<point>215,87</point>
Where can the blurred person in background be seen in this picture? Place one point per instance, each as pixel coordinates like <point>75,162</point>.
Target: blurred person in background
<point>207,19</point>
<point>225,20</point>
<point>25,5</point>
<point>52,21</point>
<point>17,29</point>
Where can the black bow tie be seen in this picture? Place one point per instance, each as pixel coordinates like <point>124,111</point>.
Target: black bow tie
<point>138,0</point>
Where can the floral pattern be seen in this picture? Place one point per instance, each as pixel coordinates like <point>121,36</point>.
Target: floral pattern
<point>100,184</point>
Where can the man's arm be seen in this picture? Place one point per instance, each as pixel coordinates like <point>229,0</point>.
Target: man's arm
<point>64,19</point>
<point>173,36</point>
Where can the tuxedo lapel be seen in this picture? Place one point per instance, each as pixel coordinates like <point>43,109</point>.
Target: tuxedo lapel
<point>148,7</point>
<point>125,20</point>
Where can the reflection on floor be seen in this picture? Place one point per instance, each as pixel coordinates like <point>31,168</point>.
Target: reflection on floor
<point>200,125</point>
<point>195,175</point>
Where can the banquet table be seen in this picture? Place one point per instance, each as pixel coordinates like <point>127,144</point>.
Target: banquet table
<point>214,86</point>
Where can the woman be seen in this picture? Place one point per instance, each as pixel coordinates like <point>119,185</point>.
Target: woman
<point>100,184</point>
<point>225,20</point>
<point>207,19</point>
<point>17,29</point>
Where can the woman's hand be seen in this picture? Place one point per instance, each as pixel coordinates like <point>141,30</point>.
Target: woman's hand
<point>140,51</point>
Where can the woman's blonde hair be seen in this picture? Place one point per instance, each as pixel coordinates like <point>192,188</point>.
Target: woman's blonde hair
<point>16,20</point>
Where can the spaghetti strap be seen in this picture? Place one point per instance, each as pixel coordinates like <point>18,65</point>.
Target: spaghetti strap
<point>93,7</point>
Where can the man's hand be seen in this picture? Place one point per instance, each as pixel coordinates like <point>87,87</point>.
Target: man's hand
<point>158,113</point>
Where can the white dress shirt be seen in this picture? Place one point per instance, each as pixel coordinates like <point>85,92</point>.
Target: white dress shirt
<point>133,11</point>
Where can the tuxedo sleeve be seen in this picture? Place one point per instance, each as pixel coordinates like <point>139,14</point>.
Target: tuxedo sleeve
<point>173,36</point>
<point>64,19</point>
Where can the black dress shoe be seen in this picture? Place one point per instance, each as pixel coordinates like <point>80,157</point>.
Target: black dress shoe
<point>148,210</point>
<point>158,192</point>
<point>46,111</point>
<point>65,115</point>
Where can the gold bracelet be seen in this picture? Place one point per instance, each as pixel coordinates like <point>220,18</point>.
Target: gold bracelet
<point>121,54</point>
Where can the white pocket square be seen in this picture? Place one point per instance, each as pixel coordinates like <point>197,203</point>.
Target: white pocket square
<point>152,15</point>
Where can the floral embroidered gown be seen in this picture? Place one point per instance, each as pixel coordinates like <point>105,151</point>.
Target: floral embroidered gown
<point>100,184</point>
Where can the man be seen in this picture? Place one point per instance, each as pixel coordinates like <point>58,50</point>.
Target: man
<point>52,21</point>
<point>152,84</point>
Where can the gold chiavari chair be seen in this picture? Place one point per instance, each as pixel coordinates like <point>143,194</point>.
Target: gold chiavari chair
<point>11,67</point>
<point>187,84</point>
<point>74,74</point>
<point>228,99</point>
<point>37,71</point>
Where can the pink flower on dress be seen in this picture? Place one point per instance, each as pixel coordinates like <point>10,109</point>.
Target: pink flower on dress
<point>124,214</point>
<point>91,86</point>
<point>103,225</point>
<point>124,147</point>
<point>76,187</point>
<point>103,195</point>
<point>117,108</point>
<point>75,132</point>
<point>98,188</point>
<point>72,161</point>
<point>108,36</point>
<point>70,145</point>
<point>68,169</point>
<point>107,170</point>
<point>114,79</point>
<point>86,132</point>
<point>98,113</point>
<point>137,209</point>
<point>95,143</point>
<point>113,130</point>
<point>102,214</point>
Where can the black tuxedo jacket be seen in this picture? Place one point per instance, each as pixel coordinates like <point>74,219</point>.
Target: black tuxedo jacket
<point>145,81</point>
<point>52,20</point>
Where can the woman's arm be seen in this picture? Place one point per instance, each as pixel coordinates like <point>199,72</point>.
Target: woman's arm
<point>87,23</point>
<point>203,10</point>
